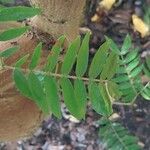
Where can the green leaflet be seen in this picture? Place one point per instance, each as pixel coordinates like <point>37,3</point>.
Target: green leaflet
<point>99,60</point>
<point>110,67</point>
<point>13,33</point>
<point>100,99</point>
<point>146,91</point>
<point>22,61</point>
<point>148,62</point>
<point>126,45</point>
<point>131,56</point>
<point>52,96</point>
<point>21,83</point>
<point>136,71</point>
<point>83,56</point>
<point>113,46</point>
<point>36,56</point>
<point>7,1</point>
<point>81,97</point>
<point>113,90</point>
<point>146,67</point>
<point>38,92</point>
<point>70,56</point>
<point>54,55</point>
<point>18,13</point>
<point>69,97</point>
<point>9,52</point>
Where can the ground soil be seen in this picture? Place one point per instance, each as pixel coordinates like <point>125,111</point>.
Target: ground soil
<point>68,133</point>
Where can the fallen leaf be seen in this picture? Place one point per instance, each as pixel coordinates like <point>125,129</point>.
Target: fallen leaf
<point>140,26</point>
<point>107,4</point>
<point>95,18</point>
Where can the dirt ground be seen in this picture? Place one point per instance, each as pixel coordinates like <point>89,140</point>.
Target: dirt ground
<point>69,133</point>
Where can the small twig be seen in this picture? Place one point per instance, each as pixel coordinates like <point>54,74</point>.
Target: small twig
<point>57,75</point>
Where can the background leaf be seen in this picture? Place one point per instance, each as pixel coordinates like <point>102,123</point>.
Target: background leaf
<point>115,137</point>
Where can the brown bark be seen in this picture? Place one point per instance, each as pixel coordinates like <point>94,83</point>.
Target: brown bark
<point>19,116</point>
<point>59,17</point>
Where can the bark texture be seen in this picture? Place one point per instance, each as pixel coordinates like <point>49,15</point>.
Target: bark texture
<point>59,17</point>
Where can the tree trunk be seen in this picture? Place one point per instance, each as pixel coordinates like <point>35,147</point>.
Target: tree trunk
<point>59,17</point>
<point>19,116</point>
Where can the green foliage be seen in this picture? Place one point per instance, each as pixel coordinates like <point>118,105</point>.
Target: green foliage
<point>147,14</point>
<point>115,137</point>
<point>128,73</point>
<point>75,94</point>
<point>13,33</point>
<point>9,52</point>
<point>146,67</point>
<point>17,13</point>
<point>7,1</point>
<point>36,56</point>
<point>114,75</point>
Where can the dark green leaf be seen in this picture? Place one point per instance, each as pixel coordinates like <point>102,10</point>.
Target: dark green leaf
<point>36,56</point>
<point>13,33</point>
<point>100,100</point>
<point>69,97</point>
<point>70,56</point>
<point>113,46</point>
<point>52,96</point>
<point>126,45</point>
<point>18,13</point>
<point>110,67</point>
<point>99,61</point>
<point>83,56</point>
<point>113,90</point>
<point>9,52</point>
<point>81,97</point>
